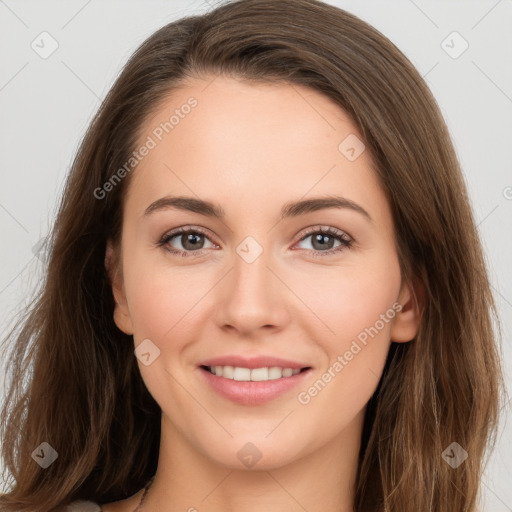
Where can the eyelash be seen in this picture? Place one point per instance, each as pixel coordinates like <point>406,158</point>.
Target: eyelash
<point>346,241</point>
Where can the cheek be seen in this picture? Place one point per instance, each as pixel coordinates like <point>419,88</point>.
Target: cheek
<point>162,300</point>
<point>352,318</point>
<point>153,297</point>
<point>347,300</point>
<point>360,315</point>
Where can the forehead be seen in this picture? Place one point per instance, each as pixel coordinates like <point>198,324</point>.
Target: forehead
<point>251,145</point>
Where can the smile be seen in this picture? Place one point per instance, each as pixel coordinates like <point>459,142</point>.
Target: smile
<point>253,374</point>
<point>252,386</point>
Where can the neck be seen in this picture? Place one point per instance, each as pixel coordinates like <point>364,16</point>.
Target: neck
<point>321,480</point>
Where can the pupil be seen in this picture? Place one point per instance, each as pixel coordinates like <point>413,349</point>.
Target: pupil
<point>321,239</point>
<point>191,238</point>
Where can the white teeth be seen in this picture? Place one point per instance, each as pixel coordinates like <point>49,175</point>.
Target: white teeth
<point>275,372</point>
<point>259,374</point>
<point>255,374</point>
<point>242,374</point>
<point>228,372</point>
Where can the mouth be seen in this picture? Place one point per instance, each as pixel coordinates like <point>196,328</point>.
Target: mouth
<point>253,379</point>
<point>262,374</point>
<point>253,386</point>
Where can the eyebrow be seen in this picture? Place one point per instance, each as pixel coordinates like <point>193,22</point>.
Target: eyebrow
<point>290,209</point>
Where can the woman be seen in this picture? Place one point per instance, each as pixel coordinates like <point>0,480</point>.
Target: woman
<point>265,289</point>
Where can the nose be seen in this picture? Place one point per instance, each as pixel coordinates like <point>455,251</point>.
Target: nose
<point>252,298</point>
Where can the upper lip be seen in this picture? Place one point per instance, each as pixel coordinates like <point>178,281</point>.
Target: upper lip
<point>253,362</point>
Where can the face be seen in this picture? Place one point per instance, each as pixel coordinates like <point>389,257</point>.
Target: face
<point>319,287</point>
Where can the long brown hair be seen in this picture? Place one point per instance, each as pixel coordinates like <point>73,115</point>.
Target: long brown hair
<point>75,383</point>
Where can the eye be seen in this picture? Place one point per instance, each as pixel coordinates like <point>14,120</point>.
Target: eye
<point>190,240</point>
<point>323,241</point>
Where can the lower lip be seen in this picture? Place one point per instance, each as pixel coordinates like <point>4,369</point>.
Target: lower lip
<point>252,392</point>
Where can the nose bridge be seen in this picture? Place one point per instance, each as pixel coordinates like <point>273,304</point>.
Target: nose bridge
<point>250,269</point>
<point>251,298</point>
<point>250,280</point>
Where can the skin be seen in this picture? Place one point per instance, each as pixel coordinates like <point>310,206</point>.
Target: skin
<point>253,147</point>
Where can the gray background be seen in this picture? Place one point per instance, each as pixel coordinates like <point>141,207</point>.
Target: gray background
<point>47,104</point>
